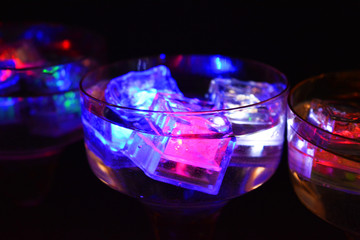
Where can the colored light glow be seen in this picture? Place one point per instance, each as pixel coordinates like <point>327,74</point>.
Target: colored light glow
<point>137,89</point>
<point>325,158</point>
<point>68,102</point>
<point>221,64</point>
<point>197,152</point>
<point>119,136</point>
<point>10,56</point>
<point>7,109</point>
<point>178,60</point>
<point>143,99</point>
<point>216,66</point>
<point>40,33</point>
<point>193,162</point>
<point>218,63</point>
<point>51,70</point>
<point>256,150</point>
<point>57,78</point>
<point>4,75</point>
<point>96,133</point>
<point>66,44</point>
<point>267,137</point>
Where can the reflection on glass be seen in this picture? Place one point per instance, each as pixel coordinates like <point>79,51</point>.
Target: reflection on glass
<point>324,147</point>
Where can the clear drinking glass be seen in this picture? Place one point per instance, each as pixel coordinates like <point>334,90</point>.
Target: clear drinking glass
<point>324,147</point>
<point>169,160</point>
<point>40,69</point>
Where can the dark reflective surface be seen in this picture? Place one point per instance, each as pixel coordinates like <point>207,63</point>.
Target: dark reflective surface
<point>79,206</point>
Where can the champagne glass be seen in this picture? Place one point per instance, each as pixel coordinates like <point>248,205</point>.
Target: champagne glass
<point>41,65</point>
<point>324,147</point>
<point>183,157</point>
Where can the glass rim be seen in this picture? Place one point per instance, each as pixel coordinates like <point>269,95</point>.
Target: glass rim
<point>46,65</point>
<point>305,81</point>
<point>107,66</point>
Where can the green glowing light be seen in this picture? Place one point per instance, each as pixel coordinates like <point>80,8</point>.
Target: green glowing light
<point>350,176</point>
<point>56,75</point>
<point>70,95</point>
<point>67,103</point>
<point>51,70</point>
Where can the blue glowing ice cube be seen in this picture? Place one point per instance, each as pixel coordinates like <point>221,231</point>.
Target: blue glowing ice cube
<point>106,140</point>
<point>57,78</point>
<point>7,63</point>
<point>188,150</point>
<point>138,89</point>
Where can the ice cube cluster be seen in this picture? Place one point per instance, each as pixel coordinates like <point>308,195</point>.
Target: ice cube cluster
<point>336,116</point>
<point>183,147</point>
<point>51,107</point>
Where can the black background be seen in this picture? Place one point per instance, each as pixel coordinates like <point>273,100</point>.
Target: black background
<point>298,38</point>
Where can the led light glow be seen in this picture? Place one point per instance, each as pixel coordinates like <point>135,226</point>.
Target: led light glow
<point>192,162</point>
<point>336,117</point>
<point>9,110</point>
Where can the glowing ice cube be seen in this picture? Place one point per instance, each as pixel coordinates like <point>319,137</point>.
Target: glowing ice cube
<point>106,140</point>
<point>138,89</point>
<point>190,151</point>
<point>227,93</point>
<point>338,117</point>
<point>231,92</point>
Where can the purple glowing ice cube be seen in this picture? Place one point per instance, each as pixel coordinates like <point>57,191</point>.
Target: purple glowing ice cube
<point>138,89</point>
<point>258,124</point>
<point>227,93</point>
<point>190,151</point>
<point>59,78</point>
<point>338,117</point>
<point>231,93</point>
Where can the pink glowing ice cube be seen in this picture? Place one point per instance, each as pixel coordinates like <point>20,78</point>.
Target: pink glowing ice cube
<point>189,150</point>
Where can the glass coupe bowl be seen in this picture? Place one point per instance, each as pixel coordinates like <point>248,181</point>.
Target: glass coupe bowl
<point>184,134</point>
<point>324,147</point>
<point>40,69</point>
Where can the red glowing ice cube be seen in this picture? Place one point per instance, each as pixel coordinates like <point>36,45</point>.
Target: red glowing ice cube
<point>338,117</point>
